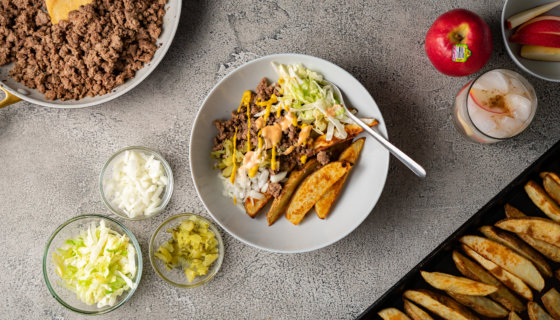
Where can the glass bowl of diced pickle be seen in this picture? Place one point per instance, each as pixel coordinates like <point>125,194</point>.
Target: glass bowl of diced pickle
<point>186,250</point>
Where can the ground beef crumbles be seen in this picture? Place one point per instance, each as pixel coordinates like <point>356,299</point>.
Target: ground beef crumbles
<point>98,48</point>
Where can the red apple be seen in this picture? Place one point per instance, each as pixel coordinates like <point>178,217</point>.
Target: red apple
<point>459,27</point>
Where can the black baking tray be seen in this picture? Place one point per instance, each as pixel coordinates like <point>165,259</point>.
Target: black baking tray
<point>440,259</point>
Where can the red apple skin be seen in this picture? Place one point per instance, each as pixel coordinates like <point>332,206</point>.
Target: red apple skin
<point>473,31</point>
<point>542,24</point>
<point>536,39</point>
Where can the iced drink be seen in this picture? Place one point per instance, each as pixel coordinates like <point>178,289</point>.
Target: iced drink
<point>495,106</point>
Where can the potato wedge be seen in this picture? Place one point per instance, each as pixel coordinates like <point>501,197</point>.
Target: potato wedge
<point>536,312</point>
<point>352,130</point>
<point>480,305</point>
<point>554,176</point>
<point>513,316</point>
<point>414,312</point>
<point>538,228</point>
<point>313,187</point>
<point>511,241</point>
<point>508,279</point>
<point>544,173</point>
<point>281,202</point>
<point>507,259</point>
<point>460,285</point>
<point>548,250</point>
<point>351,154</point>
<point>513,212</point>
<point>441,305</point>
<point>551,301</point>
<point>551,184</point>
<point>253,206</point>
<point>541,199</point>
<point>392,314</point>
<point>474,271</point>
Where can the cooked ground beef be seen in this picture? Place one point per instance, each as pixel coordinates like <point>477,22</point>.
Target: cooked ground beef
<point>274,189</point>
<point>98,48</point>
<point>323,157</point>
<point>264,90</point>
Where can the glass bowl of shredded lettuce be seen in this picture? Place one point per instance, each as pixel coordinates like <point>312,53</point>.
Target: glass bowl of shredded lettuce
<point>92,264</point>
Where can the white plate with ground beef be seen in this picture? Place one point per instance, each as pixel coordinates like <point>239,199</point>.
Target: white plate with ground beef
<point>102,51</point>
<point>357,199</point>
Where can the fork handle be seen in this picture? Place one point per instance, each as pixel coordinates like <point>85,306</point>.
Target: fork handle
<point>406,160</point>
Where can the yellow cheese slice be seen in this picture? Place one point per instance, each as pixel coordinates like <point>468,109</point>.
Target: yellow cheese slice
<point>59,9</point>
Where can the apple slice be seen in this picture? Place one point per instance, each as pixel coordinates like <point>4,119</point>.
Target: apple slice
<point>545,39</point>
<point>489,100</point>
<point>527,15</point>
<point>542,24</point>
<point>540,53</point>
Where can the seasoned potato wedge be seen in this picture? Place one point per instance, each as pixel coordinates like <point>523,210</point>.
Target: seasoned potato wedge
<point>507,259</point>
<point>508,279</point>
<point>513,212</point>
<point>352,131</point>
<point>351,154</point>
<point>313,187</point>
<point>511,241</point>
<point>481,305</point>
<point>551,301</point>
<point>548,250</point>
<point>544,174</point>
<point>551,183</point>
<point>392,314</point>
<point>414,312</point>
<point>474,271</point>
<point>513,316</point>
<point>541,199</point>
<point>253,206</point>
<point>536,312</point>
<point>441,305</point>
<point>460,285</point>
<point>281,202</point>
<point>538,228</point>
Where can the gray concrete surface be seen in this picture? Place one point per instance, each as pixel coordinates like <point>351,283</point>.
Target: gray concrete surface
<point>50,160</point>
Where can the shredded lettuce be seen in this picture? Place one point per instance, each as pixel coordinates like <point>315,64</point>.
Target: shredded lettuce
<point>313,100</point>
<point>98,265</point>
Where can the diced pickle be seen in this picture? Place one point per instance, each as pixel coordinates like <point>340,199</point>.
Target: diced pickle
<point>193,247</point>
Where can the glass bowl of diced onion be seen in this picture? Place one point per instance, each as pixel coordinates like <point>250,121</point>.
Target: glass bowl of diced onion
<point>136,183</point>
<point>101,288</point>
<point>177,276</point>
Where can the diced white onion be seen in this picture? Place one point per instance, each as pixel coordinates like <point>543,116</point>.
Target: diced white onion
<point>137,184</point>
<point>278,177</point>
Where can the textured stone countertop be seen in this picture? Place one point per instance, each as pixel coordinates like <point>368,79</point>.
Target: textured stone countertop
<point>50,160</point>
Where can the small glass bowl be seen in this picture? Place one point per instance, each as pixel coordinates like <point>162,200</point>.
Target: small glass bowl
<point>107,170</point>
<point>176,276</point>
<point>70,229</point>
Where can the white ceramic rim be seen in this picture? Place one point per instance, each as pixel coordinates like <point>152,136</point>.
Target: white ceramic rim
<point>512,54</point>
<point>386,173</point>
<point>152,65</point>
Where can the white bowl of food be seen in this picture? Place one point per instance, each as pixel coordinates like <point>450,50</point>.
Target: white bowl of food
<point>529,36</point>
<point>257,172</point>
